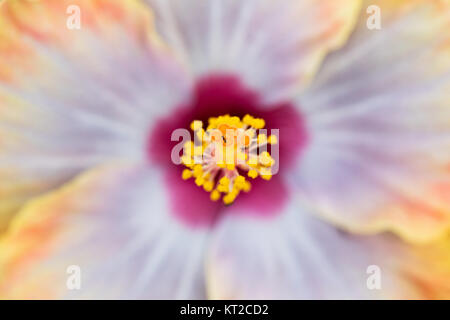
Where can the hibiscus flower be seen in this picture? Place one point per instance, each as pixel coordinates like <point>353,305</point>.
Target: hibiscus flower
<point>355,181</point>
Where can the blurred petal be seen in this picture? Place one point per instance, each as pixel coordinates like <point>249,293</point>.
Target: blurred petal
<point>297,256</point>
<point>114,224</point>
<point>379,119</point>
<point>275,46</point>
<point>70,99</point>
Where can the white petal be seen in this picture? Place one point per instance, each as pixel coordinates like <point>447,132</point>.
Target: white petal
<point>114,224</point>
<point>71,99</point>
<point>379,121</point>
<point>297,256</point>
<point>274,46</point>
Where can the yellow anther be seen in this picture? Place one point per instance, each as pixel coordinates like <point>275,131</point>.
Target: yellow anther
<point>262,139</point>
<point>208,186</point>
<point>231,166</point>
<point>240,179</point>
<point>239,182</point>
<point>253,174</point>
<point>222,188</point>
<point>258,123</point>
<point>266,159</point>
<point>273,139</point>
<point>198,151</point>
<point>187,148</point>
<point>266,173</point>
<point>196,125</point>
<point>198,170</point>
<point>224,185</point>
<point>187,174</point>
<point>199,181</point>
<point>200,134</point>
<point>224,181</point>
<point>215,195</point>
<point>226,148</point>
<point>253,161</point>
<point>212,122</point>
<point>235,120</point>
<point>187,160</point>
<point>229,198</point>
<point>248,119</point>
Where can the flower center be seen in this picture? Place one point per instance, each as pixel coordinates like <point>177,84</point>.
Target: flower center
<point>231,148</point>
<point>212,96</point>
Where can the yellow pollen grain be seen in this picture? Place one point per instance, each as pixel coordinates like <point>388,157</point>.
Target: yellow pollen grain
<point>187,160</point>
<point>262,139</point>
<point>253,174</point>
<point>200,134</point>
<point>187,174</point>
<point>231,166</point>
<point>208,186</point>
<point>198,170</point>
<point>224,181</point>
<point>266,173</point>
<point>198,151</point>
<point>273,139</point>
<point>196,125</point>
<point>265,159</point>
<point>215,195</point>
<point>229,198</point>
<point>259,123</point>
<point>199,181</point>
<point>239,182</point>
<point>247,186</point>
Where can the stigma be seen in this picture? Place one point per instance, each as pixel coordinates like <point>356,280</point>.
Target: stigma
<point>227,154</point>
